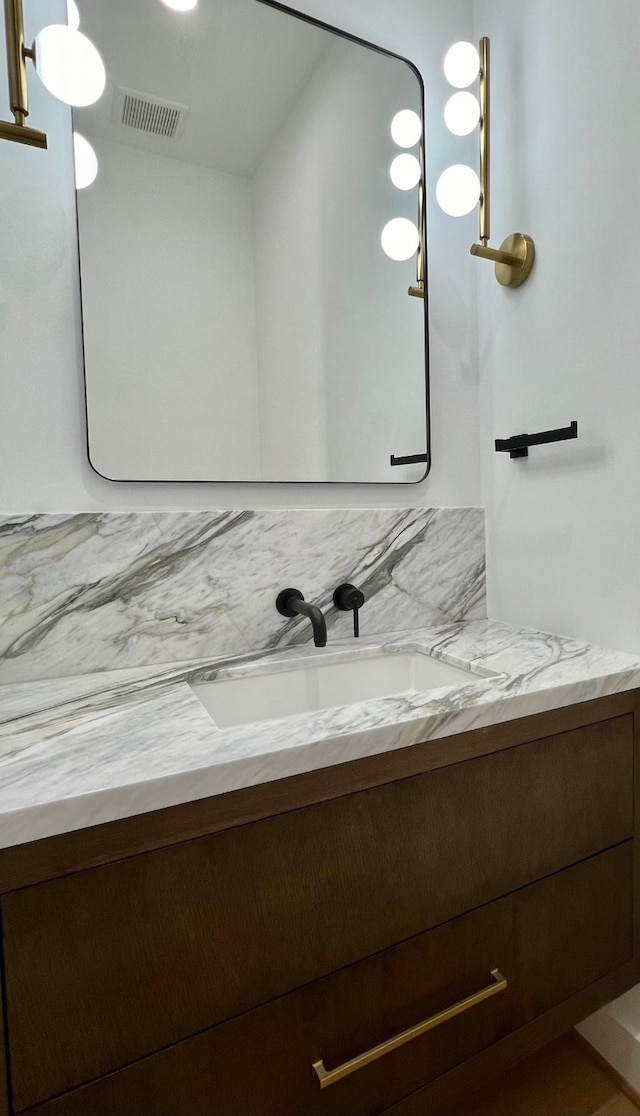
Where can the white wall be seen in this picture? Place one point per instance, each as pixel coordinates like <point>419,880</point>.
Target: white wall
<point>326,349</point>
<point>563,526</point>
<point>164,243</point>
<point>564,532</point>
<point>43,462</point>
<point>287,238</point>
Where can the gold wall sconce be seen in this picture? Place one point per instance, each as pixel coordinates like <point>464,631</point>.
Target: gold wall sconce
<point>17,54</point>
<point>418,290</point>
<point>401,238</point>
<point>66,61</point>
<point>459,188</point>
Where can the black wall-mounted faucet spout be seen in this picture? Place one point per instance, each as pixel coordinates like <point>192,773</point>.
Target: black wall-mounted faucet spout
<point>290,602</point>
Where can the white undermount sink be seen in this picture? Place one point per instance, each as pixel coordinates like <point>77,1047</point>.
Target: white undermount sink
<point>307,685</point>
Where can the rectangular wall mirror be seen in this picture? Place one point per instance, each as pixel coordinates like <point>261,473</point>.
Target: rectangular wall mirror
<point>241,319</point>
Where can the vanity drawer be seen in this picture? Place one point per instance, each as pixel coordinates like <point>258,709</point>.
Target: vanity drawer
<point>109,965</point>
<point>548,941</point>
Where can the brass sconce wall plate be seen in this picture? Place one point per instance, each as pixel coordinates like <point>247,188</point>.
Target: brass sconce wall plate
<point>515,258</point>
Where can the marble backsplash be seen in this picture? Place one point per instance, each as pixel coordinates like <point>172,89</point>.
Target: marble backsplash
<point>99,591</point>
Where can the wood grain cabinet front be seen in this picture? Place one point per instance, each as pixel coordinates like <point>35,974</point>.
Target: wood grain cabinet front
<point>106,966</point>
<point>548,941</point>
<point>4,1099</point>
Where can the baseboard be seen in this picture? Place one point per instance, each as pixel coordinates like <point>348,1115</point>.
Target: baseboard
<point>617,1052</point>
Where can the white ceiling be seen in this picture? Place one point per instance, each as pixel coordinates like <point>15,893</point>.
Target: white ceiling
<point>239,65</point>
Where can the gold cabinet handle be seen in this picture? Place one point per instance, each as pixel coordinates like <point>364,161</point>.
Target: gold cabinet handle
<point>329,1077</point>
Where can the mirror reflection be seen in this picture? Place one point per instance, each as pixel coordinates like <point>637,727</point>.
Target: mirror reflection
<point>248,209</point>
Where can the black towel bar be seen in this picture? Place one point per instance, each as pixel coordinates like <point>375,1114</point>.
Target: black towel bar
<point>518,446</point>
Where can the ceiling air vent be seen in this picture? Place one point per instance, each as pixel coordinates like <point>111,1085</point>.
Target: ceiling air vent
<point>148,114</point>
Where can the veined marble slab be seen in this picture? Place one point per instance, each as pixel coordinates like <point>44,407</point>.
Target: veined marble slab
<point>82,751</point>
<point>103,591</point>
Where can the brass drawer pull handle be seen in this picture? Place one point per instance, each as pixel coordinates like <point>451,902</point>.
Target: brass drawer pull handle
<point>329,1077</point>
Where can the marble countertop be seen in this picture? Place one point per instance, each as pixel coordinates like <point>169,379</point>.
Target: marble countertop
<point>76,752</point>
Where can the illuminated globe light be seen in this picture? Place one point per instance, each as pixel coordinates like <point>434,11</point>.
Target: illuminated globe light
<point>406,128</point>
<point>458,190</point>
<point>400,239</point>
<point>462,65</point>
<point>180,5</point>
<point>73,15</point>
<point>462,114</point>
<point>69,65</point>
<point>405,171</point>
<point>85,160</point>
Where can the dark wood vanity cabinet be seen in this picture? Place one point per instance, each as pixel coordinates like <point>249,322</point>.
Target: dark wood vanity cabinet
<point>202,961</point>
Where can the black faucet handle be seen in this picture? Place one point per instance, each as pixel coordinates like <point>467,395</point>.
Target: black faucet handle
<point>347,598</point>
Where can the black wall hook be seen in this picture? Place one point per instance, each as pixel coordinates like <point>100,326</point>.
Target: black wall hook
<point>518,446</point>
